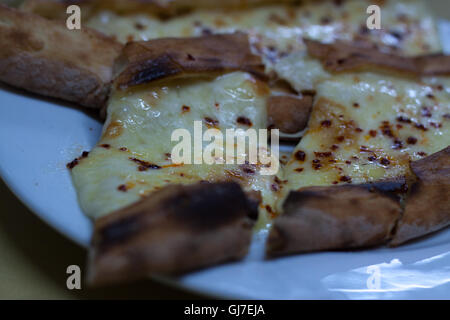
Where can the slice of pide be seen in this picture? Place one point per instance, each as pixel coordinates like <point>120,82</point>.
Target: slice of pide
<point>160,8</point>
<point>367,127</point>
<point>171,58</point>
<point>364,127</point>
<point>343,56</point>
<point>276,28</point>
<point>134,156</point>
<point>177,229</point>
<point>336,217</point>
<point>427,207</point>
<point>46,58</point>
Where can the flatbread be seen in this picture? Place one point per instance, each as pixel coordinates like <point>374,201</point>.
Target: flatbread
<point>57,62</point>
<point>427,208</point>
<point>177,229</point>
<point>336,217</point>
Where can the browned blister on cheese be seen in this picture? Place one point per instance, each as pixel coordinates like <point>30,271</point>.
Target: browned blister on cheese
<point>177,229</point>
<point>336,217</point>
<point>147,61</point>
<point>427,207</point>
<point>343,56</point>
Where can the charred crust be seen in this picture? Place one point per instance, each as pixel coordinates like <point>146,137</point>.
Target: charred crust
<point>289,113</point>
<point>196,208</point>
<point>147,61</point>
<point>336,217</point>
<point>209,206</point>
<point>427,208</point>
<point>343,56</point>
<point>176,229</point>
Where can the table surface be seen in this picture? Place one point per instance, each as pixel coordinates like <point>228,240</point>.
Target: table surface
<point>34,257</point>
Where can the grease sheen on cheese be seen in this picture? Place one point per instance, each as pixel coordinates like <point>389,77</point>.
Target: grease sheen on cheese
<point>132,158</point>
<point>277,30</point>
<point>366,127</point>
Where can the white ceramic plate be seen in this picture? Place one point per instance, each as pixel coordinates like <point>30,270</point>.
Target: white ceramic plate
<point>39,136</point>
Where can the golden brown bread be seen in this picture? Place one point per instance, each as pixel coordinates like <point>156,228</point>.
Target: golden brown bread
<point>46,58</point>
<point>427,208</point>
<point>346,57</point>
<point>289,113</point>
<point>176,229</point>
<point>146,61</point>
<point>336,217</point>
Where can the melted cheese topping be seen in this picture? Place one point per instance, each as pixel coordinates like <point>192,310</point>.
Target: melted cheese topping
<point>277,30</point>
<point>366,127</point>
<point>133,156</point>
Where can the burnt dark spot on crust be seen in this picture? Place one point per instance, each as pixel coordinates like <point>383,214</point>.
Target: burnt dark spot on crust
<point>122,188</point>
<point>345,179</point>
<point>411,140</point>
<point>420,127</point>
<point>76,161</point>
<point>248,169</point>
<point>72,164</point>
<point>403,119</point>
<point>274,187</point>
<point>386,129</point>
<point>373,133</point>
<point>244,121</point>
<point>385,162</point>
<point>300,155</point>
<point>391,187</point>
<point>299,169</point>
<point>436,125</point>
<point>210,206</point>
<point>105,145</point>
<point>123,149</point>
<point>144,165</point>
<point>323,154</point>
<point>316,164</point>
<point>326,123</point>
<point>334,147</point>
<point>210,122</point>
<point>195,208</point>
<point>139,26</point>
<point>185,109</point>
<point>422,154</point>
<point>119,231</point>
